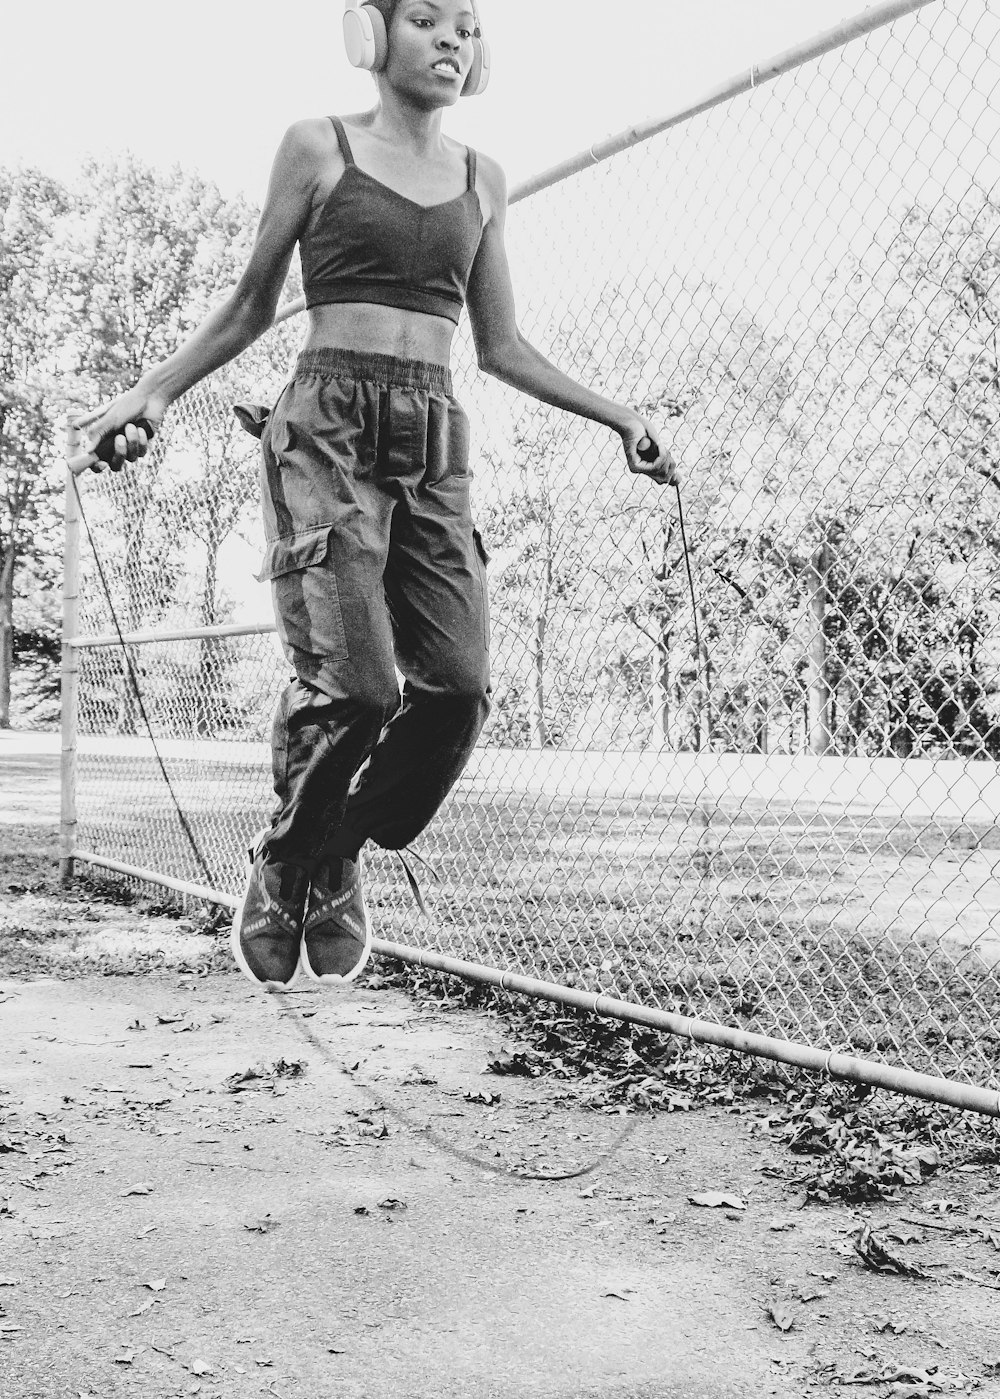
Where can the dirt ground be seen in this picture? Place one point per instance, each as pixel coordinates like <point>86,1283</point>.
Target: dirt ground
<point>208,1191</point>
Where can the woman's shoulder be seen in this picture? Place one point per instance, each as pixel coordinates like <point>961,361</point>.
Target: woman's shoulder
<point>308,152</point>
<point>309,135</point>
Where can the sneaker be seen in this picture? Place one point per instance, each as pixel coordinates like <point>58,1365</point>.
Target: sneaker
<point>267,924</point>
<point>336,936</point>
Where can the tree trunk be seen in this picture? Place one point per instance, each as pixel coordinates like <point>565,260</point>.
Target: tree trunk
<point>660,691</point>
<point>6,634</point>
<point>758,729</point>
<point>539,726</point>
<point>206,695</point>
<point>900,728</point>
<point>704,727</point>
<point>540,731</point>
<point>818,682</point>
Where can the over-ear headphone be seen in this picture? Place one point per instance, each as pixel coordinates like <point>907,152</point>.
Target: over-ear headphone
<point>367,43</point>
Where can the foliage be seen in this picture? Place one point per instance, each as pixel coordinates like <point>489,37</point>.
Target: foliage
<point>31,206</point>
<point>839,487</point>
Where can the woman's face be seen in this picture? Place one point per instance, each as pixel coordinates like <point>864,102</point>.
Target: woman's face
<point>430,49</point>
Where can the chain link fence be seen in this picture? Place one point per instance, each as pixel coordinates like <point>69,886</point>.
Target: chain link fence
<point>790,826</point>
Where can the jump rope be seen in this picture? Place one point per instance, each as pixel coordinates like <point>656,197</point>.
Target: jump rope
<point>105,451</point>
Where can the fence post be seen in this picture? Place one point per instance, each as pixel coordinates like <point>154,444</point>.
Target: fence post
<point>69,669</point>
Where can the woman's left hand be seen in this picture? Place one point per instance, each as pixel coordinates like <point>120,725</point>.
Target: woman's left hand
<point>645,454</point>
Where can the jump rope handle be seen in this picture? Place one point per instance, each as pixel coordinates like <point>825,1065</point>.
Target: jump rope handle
<point>105,449</point>
<point>647,449</point>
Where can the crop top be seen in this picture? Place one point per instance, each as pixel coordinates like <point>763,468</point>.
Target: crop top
<point>371,244</point>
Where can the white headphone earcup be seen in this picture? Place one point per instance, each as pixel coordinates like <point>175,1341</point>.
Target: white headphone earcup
<point>478,76</point>
<point>365,38</point>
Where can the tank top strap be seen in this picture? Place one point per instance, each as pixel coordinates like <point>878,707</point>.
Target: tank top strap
<point>470,160</point>
<point>345,145</point>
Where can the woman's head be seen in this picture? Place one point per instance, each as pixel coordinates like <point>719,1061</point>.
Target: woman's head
<point>413,27</point>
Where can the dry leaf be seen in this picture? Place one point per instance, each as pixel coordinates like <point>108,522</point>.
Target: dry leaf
<point>262,1226</point>
<point>877,1255</point>
<point>155,1284</point>
<point>714,1200</point>
<point>905,1234</point>
<point>782,1316</point>
<point>137,1190</point>
<point>811,1294</point>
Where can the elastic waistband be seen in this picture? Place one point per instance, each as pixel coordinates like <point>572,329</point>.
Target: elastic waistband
<point>386,370</point>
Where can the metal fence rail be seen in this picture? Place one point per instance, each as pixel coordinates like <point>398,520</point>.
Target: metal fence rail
<point>792,828</point>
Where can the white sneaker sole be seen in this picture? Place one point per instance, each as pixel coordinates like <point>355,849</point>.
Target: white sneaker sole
<point>234,934</point>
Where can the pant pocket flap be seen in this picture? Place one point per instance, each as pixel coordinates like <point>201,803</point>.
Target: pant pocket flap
<point>480,545</point>
<point>253,417</point>
<point>294,552</point>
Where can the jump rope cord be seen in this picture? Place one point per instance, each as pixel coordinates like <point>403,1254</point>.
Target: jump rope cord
<point>288,1013</point>
<point>690,577</point>
<point>137,692</point>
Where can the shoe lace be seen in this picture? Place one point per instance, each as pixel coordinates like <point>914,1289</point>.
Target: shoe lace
<point>411,878</point>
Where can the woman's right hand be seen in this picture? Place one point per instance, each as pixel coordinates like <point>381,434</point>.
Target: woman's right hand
<point>122,430</point>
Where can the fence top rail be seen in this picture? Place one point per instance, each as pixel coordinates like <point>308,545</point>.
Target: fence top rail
<point>854,27</point>
<point>142,638</point>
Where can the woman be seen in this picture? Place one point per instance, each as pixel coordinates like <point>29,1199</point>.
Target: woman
<point>372,555</point>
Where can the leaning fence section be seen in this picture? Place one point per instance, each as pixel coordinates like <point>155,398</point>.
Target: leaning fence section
<point>775,808</point>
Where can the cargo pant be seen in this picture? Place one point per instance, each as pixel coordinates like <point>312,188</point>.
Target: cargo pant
<point>375,567</point>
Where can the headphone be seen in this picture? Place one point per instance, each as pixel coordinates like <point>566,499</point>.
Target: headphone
<point>367,43</point>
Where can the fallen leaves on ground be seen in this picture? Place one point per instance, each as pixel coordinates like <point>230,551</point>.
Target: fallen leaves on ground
<point>522,1062</point>
<point>861,1157</point>
<point>908,1382</point>
<point>265,1076</point>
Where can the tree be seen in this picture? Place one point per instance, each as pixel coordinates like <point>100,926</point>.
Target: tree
<point>152,254</point>
<point>30,206</point>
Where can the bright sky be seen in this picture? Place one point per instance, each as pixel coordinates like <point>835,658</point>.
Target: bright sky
<point>213,86</point>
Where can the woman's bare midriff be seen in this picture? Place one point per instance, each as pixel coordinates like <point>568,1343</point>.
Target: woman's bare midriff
<point>380,330</point>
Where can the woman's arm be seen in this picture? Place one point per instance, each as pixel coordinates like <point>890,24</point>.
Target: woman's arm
<point>504,352</point>
<point>235,324</point>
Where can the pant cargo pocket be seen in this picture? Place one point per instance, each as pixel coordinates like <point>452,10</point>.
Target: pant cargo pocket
<point>303,581</point>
